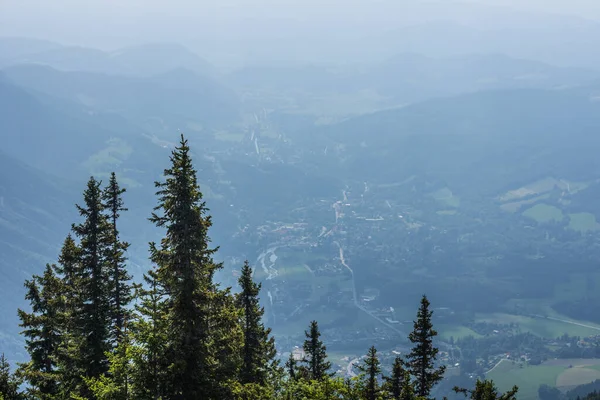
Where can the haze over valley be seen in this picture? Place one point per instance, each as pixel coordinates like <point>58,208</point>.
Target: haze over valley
<point>357,155</point>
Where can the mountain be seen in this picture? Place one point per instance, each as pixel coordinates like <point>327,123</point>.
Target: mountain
<point>36,133</point>
<point>407,77</point>
<point>156,58</point>
<point>562,42</point>
<point>34,208</point>
<point>16,47</point>
<point>462,139</point>
<point>178,97</point>
<point>142,60</point>
<point>403,79</point>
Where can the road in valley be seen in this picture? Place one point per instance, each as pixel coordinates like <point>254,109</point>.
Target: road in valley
<point>357,303</point>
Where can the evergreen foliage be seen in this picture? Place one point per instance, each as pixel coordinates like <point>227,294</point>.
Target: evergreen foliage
<point>92,314</point>
<point>486,390</point>
<point>9,383</point>
<point>185,337</point>
<point>421,359</point>
<point>120,288</point>
<point>42,330</point>
<point>370,375</point>
<point>202,329</point>
<point>258,351</point>
<point>315,352</point>
<point>396,384</point>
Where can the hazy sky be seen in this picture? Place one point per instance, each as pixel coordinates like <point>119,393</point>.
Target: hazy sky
<point>100,20</point>
<point>237,26</point>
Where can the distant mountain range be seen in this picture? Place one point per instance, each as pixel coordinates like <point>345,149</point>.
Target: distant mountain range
<point>143,60</point>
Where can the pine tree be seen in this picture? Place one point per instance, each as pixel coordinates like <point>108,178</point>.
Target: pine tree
<point>291,367</point>
<point>120,288</point>
<point>370,371</point>
<point>203,327</point>
<point>258,351</point>
<point>486,390</point>
<point>42,328</point>
<point>398,386</point>
<point>315,353</point>
<point>421,359</point>
<point>93,319</point>
<point>69,271</point>
<point>9,383</point>
<point>149,332</point>
<point>392,384</point>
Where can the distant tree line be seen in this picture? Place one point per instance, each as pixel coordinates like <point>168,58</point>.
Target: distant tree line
<point>93,334</point>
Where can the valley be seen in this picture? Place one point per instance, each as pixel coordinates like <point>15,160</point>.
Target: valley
<point>351,197</point>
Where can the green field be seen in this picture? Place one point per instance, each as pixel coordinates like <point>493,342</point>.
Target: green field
<point>446,331</point>
<point>527,378</point>
<point>544,213</point>
<point>446,197</point>
<point>560,373</point>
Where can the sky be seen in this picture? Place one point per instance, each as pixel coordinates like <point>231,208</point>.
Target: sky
<point>228,28</point>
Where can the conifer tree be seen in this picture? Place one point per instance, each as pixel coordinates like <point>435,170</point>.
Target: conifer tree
<point>486,390</point>
<point>42,329</point>
<point>258,351</point>
<point>149,332</point>
<point>120,288</point>
<point>315,353</point>
<point>93,314</point>
<point>202,327</point>
<point>291,366</point>
<point>69,271</point>
<point>421,359</point>
<point>393,384</point>
<point>370,373</point>
<point>9,383</point>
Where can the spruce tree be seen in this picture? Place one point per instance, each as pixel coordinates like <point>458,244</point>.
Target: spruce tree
<point>9,383</point>
<point>120,288</point>
<point>149,333</point>
<point>202,322</point>
<point>69,271</point>
<point>486,390</point>
<point>370,373</point>
<point>395,385</point>
<point>421,359</point>
<point>291,367</point>
<point>315,353</point>
<point>42,329</point>
<point>93,308</point>
<point>258,351</point>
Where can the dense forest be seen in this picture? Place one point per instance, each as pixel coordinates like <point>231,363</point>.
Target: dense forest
<point>92,333</point>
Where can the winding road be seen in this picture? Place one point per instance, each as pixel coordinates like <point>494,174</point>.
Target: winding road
<point>355,296</point>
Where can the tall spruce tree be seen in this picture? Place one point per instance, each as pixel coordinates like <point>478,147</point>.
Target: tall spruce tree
<point>421,359</point>
<point>315,353</point>
<point>149,332</point>
<point>202,322</point>
<point>43,329</point>
<point>258,351</point>
<point>69,271</point>
<point>93,281</point>
<point>370,370</point>
<point>120,287</point>
<point>395,385</point>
